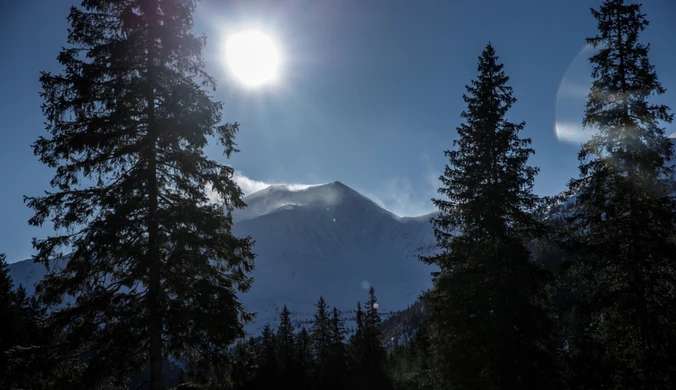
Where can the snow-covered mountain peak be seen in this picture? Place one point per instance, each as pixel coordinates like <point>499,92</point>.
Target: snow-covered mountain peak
<point>317,197</point>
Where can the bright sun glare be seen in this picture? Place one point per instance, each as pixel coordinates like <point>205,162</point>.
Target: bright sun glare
<point>252,57</point>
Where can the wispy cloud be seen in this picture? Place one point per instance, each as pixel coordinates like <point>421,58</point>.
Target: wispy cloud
<point>398,195</point>
<point>249,186</point>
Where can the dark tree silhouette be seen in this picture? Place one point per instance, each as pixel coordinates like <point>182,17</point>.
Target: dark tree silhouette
<point>490,325</point>
<point>153,266</point>
<point>625,271</point>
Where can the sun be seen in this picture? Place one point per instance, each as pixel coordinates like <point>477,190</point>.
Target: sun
<point>252,57</point>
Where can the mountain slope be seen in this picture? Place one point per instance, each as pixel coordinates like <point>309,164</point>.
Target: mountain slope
<point>330,240</point>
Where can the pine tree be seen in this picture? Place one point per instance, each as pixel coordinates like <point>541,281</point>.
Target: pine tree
<point>244,356</point>
<point>359,320</point>
<point>625,272</point>
<point>20,334</point>
<point>137,203</point>
<point>285,348</point>
<point>407,363</point>
<point>371,329</point>
<point>374,357</point>
<point>304,361</point>
<point>356,351</point>
<point>267,373</point>
<point>490,327</point>
<point>320,333</point>
<point>7,313</point>
<point>337,352</point>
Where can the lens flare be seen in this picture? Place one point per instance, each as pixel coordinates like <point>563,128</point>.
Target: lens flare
<point>571,98</point>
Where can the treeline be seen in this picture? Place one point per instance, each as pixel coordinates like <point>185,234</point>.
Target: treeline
<point>324,355</point>
<point>391,355</point>
<point>21,321</point>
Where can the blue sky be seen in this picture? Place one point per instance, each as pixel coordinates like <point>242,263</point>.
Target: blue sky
<point>369,93</point>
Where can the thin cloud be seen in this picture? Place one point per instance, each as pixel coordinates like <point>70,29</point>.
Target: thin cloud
<point>397,195</point>
<point>401,197</point>
<point>249,186</point>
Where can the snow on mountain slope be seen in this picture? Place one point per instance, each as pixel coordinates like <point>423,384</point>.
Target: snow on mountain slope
<point>320,195</point>
<point>326,240</point>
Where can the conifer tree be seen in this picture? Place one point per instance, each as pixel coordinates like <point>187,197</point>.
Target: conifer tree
<point>285,348</point>
<point>625,271</point>
<point>357,352</point>
<point>7,314</point>
<point>244,356</point>
<point>20,334</point>
<point>320,333</point>
<point>374,357</point>
<point>337,352</point>
<point>153,266</point>
<point>371,329</point>
<point>268,362</point>
<point>490,328</point>
<point>304,361</point>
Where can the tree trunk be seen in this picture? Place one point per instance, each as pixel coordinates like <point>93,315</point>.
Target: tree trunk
<point>154,279</point>
<point>153,297</point>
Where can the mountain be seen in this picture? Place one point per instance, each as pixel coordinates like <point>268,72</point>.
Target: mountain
<point>325,240</point>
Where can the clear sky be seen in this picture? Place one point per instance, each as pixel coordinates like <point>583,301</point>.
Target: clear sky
<point>369,93</point>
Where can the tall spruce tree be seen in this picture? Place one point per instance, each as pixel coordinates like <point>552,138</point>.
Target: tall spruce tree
<point>244,356</point>
<point>320,333</point>
<point>304,361</point>
<point>268,363</point>
<point>490,328</point>
<point>367,357</point>
<point>625,272</point>
<point>337,352</point>
<point>153,265</point>
<point>285,348</point>
<point>356,350</point>
<point>7,313</point>
<point>374,356</point>
<point>20,335</point>
<point>371,331</point>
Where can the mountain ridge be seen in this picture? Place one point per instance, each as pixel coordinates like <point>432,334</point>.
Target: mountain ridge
<point>323,240</point>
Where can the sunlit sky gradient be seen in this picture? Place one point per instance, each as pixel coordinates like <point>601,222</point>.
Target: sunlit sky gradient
<point>369,92</point>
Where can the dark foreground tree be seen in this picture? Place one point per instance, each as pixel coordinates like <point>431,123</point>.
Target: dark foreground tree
<point>267,373</point>
<point>490,326</point>
<point>20,334</point>
<point>337,375</point>
<point>625,273</point>
<point>153,267</point>
<point>286,349</point>
<point>305,368</point>
<point>320,334</point>
<point>367,358</point>
<point>7,313</point>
